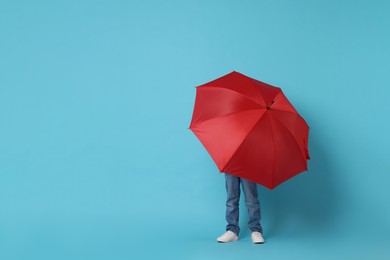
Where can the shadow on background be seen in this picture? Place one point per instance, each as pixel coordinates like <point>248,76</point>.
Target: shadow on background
<point>308,203</point>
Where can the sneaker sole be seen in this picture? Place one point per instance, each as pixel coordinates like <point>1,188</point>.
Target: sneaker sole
<point>227,241</point>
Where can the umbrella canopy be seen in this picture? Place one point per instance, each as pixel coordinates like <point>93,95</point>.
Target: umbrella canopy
<point>250,129</point>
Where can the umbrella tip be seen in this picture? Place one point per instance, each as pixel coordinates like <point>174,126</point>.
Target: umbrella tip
<point>269,106</point>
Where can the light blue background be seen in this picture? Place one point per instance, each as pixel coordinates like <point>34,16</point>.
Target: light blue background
<point>96,161</point>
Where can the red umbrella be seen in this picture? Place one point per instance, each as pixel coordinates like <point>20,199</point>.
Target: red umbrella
<point>250,129</point>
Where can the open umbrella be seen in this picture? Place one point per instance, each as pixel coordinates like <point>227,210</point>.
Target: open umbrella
<point>250,129</point>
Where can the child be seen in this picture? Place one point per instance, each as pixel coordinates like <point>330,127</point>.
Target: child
<point>232,209</point>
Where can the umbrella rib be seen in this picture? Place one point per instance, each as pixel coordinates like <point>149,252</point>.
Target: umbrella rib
<point>281,110</point>
<point>293,137</point>
<point>235,91</point>
<point>226,115</point>
<point>256,87</point>
<point>296,114</point>
<point>243,140</point>
<point>274,162</point>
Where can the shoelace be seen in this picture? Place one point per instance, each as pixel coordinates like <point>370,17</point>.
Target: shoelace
<point>256,235</point>
<point>228,233</point>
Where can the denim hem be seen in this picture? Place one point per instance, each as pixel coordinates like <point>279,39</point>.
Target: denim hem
<point>234,231</point>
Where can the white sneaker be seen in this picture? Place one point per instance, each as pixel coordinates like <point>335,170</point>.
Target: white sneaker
<point>228,236</point>
<point>257,238</point>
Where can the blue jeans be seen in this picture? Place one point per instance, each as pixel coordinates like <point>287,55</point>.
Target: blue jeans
<point>232,203</point>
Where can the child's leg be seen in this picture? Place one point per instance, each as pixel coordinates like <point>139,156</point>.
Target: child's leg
<point>232,202</point>
<point>252,203</point>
